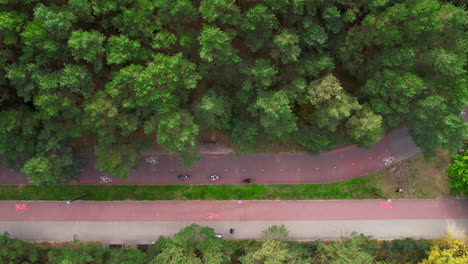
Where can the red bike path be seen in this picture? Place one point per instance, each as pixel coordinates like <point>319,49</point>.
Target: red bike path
<point>188,211</point>
<point>341,164</point>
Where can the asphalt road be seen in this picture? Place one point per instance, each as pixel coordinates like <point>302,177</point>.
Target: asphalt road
<point>137,222</point>
<point>341,164</point>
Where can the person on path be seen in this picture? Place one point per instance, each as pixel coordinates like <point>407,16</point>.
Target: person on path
<point>214,177</point>
<point>248,180</point>
<point>231,231</point>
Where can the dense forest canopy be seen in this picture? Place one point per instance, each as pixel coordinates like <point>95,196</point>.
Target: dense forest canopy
<point>317,72</point>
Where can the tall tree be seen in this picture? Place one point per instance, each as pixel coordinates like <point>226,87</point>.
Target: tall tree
<point>276,115</point>
<point>215,46</point>
<point>288,49</point>
<point>353,250</point>
<point>458,173</point>
<point>258,25</point>
<point>184,247</point>
<point>214,111</point>
<point>448,129</point>
<point>271,251</point>
<point>220,11</point>
<point>365,127</point>
<point>121,49</point>
<point>16,251</point>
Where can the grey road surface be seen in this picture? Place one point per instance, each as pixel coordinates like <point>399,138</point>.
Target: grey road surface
<point>132,233</point>
<point>137,222</point>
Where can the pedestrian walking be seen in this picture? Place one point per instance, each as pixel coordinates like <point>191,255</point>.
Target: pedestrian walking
<point>231,231</point>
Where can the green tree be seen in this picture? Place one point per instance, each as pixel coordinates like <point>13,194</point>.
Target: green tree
<point>313,34</point>
<point>458,173</point>
<point>262,74</point>
<point>11,23</point>
<point>82,10</point>
<point>278,5</point>
<point>393,92</point>
<point>365,127</point>
<point>406,250</point>
<point>316,140</point>
<point>276,115</point>
<point>333,104</point>
<point>176,13</point>
<point>271,252</point>
<point>275,232</point>
<point>193,239</point>
<point>137,20</point>
<point>411,20</point>
<point>332,17</point>
<point>128,255</point>
<point>336,110</point>
<point>177,131</point>
<point>163,40</point>
<point>447,249</point>
<point>215,111</point>
<point>324,89</point>
<point>86,45</point>
<point>17,130</point>
<point>311,65</point>
<point>215,46</point>
<point>258,25</point>
<point>58,166</point>
<point>447,129</point>
<point>220,11</point>
<point>76,79</point>
<point>101,116</point>
<point>245,135</point>
<point>287,44</point>
<point>54,19</point>
<point>117,159</point>
<point>176,255</point>
<point>78,254</point>
<point>40,45</point>
<point>156,86</point>
<point>121,49</point>
<point>16,251</point>
<point>352,250</point>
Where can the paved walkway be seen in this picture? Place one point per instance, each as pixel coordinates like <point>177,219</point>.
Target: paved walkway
<point>345,163</point>
<point>136,222</point>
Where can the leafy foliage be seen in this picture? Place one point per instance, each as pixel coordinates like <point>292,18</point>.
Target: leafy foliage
<point>320,73</point>
<point>197,244</point>
<point>458,173</point>
<point>215,46</point>
<point>257,25</point>
<point>447,249</point>
<point>16,251</point>
<point>275,232</point>
<point>352,250</point>
<point>222,11</point>
<point>193,240</point>
<point>86,45</point>
<point>365,128</point>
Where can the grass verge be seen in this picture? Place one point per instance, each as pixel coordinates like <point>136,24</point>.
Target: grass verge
<point>422,180</point>
<point>359,188</point>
